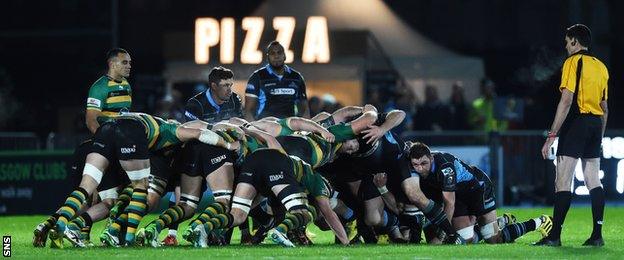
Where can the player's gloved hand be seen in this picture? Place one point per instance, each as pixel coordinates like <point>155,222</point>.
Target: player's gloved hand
<point>373,133</point>
<point>328,136</point>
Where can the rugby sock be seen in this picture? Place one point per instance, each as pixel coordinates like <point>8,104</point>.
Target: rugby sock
<point>135,210</point>
<point>71,206</point>
<point>122,201</point>
<point>212,210</point>
<point>51,221</point>
<point>562,204</point>
<point>83,223</point>
<point>296,220</point>
<point>513,231</point>
<point>173,227</point>
<point>598,204</point>
<point>119,222</point>
<point>437,217</point>
<point>167,218</point>
<point>348,215</point>
<point>390,221</point>
<point>219,221</point>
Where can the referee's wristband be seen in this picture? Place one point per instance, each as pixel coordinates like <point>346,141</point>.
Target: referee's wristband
<point>383,190</point>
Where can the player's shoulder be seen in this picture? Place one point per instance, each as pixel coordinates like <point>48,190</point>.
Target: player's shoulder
<point>100,82</point>
<point>196,99</point>
<point>443,157</point>
<point>262,71</point>
<point>293,72</point>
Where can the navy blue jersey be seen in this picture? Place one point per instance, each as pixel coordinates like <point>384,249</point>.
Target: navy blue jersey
<point>277,95</point>
<point>203,107</point>
<point>448,173</point>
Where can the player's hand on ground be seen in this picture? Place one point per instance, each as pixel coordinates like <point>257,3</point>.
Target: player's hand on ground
<point>328,136</point>
<point>373,133</point>
<point>380,179</point>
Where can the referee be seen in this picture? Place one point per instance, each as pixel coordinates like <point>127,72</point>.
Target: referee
<point>580,123</point>
<point>276,89</point>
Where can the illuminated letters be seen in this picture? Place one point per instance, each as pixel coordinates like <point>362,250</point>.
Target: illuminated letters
<point>206,36</point>
<point>316,43</point>
<point>209,33</point>
<point>254,27</point>
<point>227,41</point>
<point>285,27</point>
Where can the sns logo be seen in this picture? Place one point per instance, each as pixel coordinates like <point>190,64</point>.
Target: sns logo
<point>6,246</point>
<point>276,177</point>
<point>126,150</point>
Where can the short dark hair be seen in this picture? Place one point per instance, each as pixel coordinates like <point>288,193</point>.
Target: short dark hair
<point>271,44</point>
<point>114,52</point>
<point>219,73</point>
<point>581,33</point>
<point>418,150</point>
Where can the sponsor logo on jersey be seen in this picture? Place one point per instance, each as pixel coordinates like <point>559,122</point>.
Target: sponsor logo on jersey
<point>292,85</point>
<point>276,177</point>
<point>94,102</point>
<point>447,171</point>
<point>126,150</point>
<point>189,115</point>
<point>282,91</point>
<point>217,159</point>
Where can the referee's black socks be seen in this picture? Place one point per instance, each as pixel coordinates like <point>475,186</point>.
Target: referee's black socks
<point>598,203</point>
<point>562,204</point>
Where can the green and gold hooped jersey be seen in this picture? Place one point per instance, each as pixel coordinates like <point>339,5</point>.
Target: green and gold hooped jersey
<point>323,151</point>
<point>160,133</point>
<point>248,143</point>
<point>109,96</point>
<point>310,180</point>
<point>285,130</point>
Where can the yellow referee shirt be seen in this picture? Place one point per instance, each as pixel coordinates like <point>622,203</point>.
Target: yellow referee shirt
<point>586,77</point>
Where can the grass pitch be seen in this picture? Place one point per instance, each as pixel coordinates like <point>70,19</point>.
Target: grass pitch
<point>577,229</point>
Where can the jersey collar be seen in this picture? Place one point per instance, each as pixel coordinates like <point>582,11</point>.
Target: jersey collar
<point>272,72</point>
<point>212,102</point>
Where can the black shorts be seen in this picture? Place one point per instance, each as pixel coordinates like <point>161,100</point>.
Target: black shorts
<point>123,139</point>
<point>199,159</point>
<point>341,170</point>
<point>161,168</point>
<point>580,137</point>
<point>266,168</point>
<point>475,201</point>
<point>114,176</point>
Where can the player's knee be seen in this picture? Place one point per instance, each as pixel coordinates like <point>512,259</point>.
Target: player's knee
<point>372,220</point>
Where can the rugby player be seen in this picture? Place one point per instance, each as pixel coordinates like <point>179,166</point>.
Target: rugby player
<point>465,191</point>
